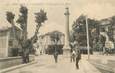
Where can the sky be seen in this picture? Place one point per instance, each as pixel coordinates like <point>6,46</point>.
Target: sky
<point>97,9</point>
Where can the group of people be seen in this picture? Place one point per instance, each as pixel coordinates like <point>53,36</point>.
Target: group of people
<point>75,55</point>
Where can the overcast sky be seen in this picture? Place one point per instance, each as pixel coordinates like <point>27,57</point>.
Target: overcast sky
<point>55,9</point>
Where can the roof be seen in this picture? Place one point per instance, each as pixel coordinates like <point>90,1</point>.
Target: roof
<point>54,32</point>
<point>50,33</point>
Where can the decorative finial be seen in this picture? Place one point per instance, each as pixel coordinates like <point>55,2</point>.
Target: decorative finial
<point>67,11</point>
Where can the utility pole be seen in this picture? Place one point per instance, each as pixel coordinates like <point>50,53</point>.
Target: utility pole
<point>87,31</point>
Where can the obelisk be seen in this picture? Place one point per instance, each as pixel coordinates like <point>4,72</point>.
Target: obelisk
<point>66,45</point>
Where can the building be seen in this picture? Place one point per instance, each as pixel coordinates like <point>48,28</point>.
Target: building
<point>45,41</point>
<point>107,30</point>
<point>9,46</point>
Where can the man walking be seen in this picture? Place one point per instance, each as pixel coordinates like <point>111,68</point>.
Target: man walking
<point>56,56</point>
<point>73,54</point>
<point>78,57</point>
<point>72,51</point>
<point>56,53</point>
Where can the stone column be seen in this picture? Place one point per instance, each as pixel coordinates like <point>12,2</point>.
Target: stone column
<point>66,46</point>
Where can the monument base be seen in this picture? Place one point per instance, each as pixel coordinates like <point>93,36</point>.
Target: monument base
<point>66,50</point>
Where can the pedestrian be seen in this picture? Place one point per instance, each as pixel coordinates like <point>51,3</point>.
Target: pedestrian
<point>56,53</point>
<point>78,57</point>
<point>26,55</point>
<point>56,56</point>
<point>72,51</point>
<point>73,54</point>
<point>71,46</point>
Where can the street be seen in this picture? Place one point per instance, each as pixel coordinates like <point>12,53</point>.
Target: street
<point>46,64</point>
<point>104,63</point>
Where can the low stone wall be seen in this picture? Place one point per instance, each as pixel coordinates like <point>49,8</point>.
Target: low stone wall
<point>12,61</point>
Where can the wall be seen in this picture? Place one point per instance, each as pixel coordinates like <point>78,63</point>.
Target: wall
<point>12,61</point>
<point>4,44</point>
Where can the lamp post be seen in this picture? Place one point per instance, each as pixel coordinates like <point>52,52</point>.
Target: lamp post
<point>87,31</point>
<point>114,35</point>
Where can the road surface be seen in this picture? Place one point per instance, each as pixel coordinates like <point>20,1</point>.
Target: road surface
<point>46,64</point>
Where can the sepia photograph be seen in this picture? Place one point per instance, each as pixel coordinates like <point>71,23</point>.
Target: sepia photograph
<point>57,36</point>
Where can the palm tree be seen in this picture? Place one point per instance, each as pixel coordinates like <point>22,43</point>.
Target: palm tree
<point>40,18</point>
<point>10,18</point>
<point>26,43</point>
<point>22,20</point>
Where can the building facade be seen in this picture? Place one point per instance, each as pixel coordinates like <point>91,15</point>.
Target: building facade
<point>107,30</point>
<point>9,45</point>
<point>45,41</point>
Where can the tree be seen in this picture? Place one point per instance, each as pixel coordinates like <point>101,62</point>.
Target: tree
<point>22,20</point>
<point>26,44</point>
<point>40,18</point>
<point>55,37</point>
<point>10,18</point>
<point>79,27</point>
<point>102,39</point>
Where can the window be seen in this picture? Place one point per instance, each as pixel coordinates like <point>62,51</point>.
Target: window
<point>10,43</point>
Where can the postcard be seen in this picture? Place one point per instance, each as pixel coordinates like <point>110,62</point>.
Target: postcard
<point>57,36</point>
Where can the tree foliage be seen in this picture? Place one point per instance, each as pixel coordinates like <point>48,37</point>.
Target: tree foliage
<point>79,28</point>
<point>10,17</point>
<point>55,36</point>
<point>26,43</point>
<point>22,20</point>
<point>40,17</point>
